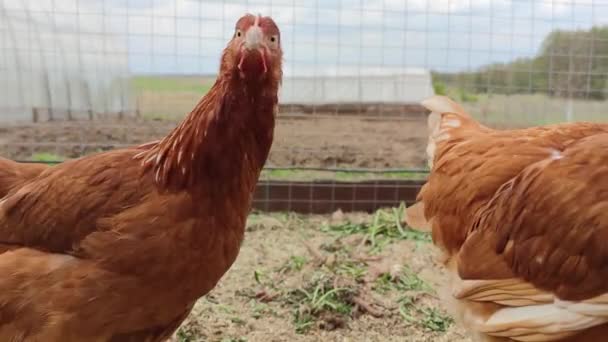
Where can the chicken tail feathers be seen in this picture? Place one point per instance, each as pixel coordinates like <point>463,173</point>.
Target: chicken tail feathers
<point>447,118</point>
<point>443,104</point>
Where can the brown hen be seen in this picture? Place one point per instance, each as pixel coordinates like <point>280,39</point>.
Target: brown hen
<point>118,246</point>
<point>521,217</point>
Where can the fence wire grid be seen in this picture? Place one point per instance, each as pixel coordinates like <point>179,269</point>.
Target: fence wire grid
<point>82,76</point>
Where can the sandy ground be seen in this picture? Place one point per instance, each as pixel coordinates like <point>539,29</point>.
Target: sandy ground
<point>317,142</point>
<point>280,288</point>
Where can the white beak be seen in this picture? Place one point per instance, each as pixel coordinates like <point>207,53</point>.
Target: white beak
<point>253,38</point>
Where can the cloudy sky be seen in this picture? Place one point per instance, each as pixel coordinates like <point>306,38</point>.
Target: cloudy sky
<point>186,36</point>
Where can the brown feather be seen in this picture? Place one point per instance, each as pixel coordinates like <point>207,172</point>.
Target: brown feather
<point>414,217</point>
<point>550,202</point>
<point>13,175</point>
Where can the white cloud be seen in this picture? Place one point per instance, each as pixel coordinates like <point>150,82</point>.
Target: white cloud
<point>555,8</point>
<point>442,6</point>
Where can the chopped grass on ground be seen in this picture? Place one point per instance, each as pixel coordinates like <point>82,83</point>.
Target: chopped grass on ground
<point>385,227</point>
<point>319,297</point>
<point>308,175</point>
<point>345,276</point>
<point>47,157</point>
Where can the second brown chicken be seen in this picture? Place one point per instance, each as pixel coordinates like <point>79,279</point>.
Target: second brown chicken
<point>521,218</point>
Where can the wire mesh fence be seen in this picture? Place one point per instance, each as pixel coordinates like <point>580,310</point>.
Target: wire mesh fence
<point>101,74</point>
<point>342,56</point>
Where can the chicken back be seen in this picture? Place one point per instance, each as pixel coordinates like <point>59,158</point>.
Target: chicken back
<point>13,175</point>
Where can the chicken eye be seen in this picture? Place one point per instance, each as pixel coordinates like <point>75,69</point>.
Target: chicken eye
<point>274,39</point>
<point>239,33</point>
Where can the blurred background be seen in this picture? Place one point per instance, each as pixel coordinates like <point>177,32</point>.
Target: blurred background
<point>82,76</point>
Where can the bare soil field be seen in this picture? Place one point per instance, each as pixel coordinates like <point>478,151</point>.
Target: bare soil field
<point>311,141</point>
<point>344,277</point>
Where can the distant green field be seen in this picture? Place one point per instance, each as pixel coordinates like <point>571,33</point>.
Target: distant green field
<point>172,84</point>
<point>526,109</point>
<point>169,97</point>
<point>534,109</point>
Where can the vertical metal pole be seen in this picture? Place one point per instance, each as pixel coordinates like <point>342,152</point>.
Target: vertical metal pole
<point>18,67</point>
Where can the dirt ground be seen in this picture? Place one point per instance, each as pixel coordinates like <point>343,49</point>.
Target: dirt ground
<point>350,277</point>
<point>328,141</point>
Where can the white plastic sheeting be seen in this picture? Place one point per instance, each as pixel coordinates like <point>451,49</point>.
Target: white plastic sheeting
<point>56,66</point>
<point>357,85</point>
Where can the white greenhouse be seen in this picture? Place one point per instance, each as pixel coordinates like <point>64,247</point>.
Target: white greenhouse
<point>53,70</point>
<point>357,85</point>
